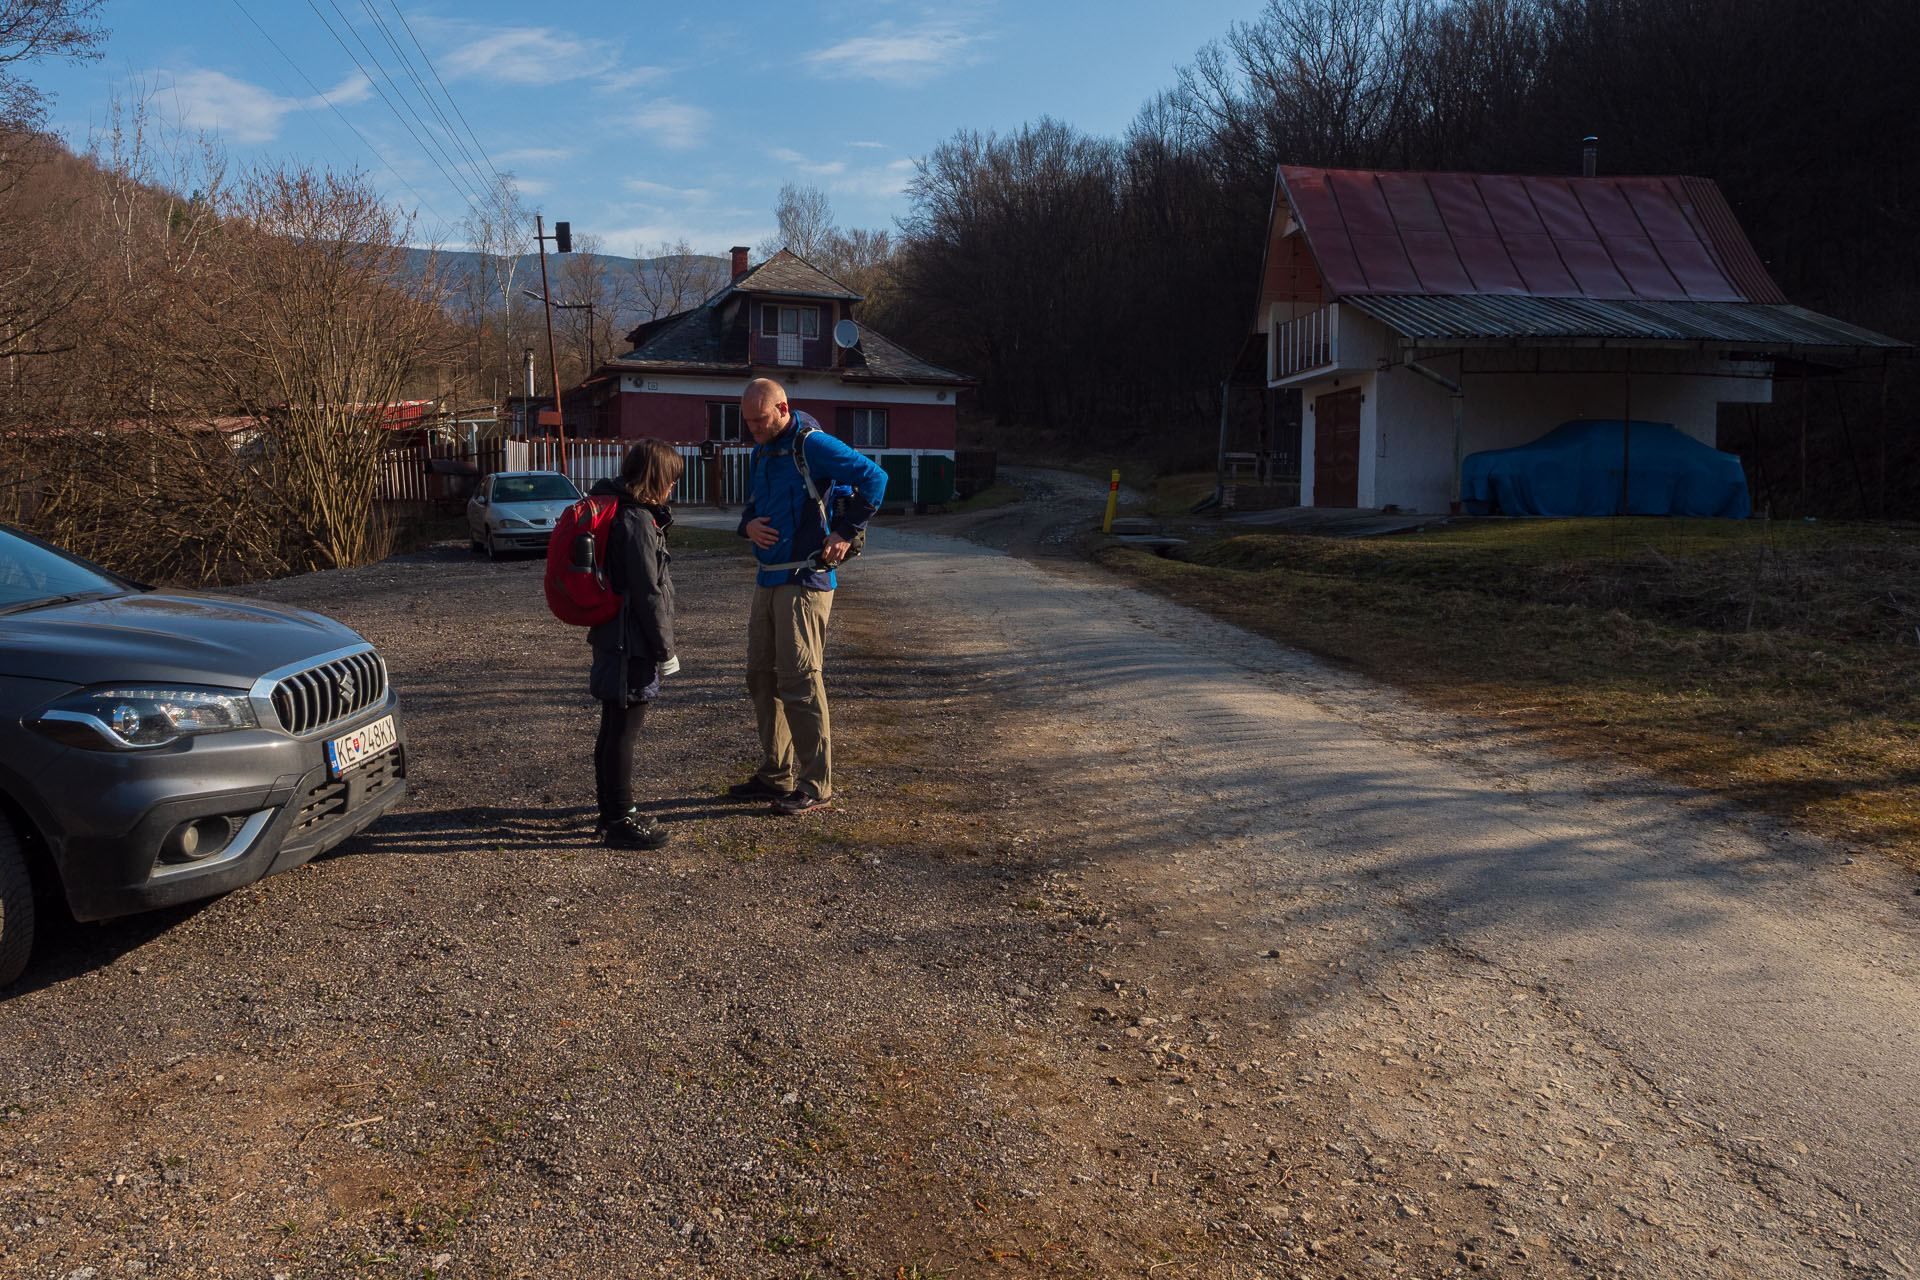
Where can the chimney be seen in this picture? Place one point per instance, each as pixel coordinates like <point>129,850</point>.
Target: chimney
<point>1590,157</point>
<point>739,261</point>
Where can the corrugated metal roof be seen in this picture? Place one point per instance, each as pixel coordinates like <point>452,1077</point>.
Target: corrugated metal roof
<point>1618,238</point>
<point>1470,318</point>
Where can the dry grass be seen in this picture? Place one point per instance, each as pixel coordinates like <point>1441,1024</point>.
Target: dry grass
<point>1773,664</point>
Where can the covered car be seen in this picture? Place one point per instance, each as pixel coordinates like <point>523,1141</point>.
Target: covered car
<point>1574,470</point>
<point>516,510</point>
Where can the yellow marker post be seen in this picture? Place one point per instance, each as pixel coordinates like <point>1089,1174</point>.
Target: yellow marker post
<point>1113,501</point>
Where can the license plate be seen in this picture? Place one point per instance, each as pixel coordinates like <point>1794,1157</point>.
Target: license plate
<point>364,743</point>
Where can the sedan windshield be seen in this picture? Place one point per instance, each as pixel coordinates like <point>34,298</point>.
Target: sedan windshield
<point>31,572</point>
<point>554,488</point>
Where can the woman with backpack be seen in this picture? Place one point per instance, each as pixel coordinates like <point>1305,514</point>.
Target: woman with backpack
<point>633,649</point>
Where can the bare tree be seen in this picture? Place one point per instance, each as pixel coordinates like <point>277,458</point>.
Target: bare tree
<point>806,224</point>
<point>31,30</point>
<point>671,278</point>
<point>500,230</point>
<point>320,329</point>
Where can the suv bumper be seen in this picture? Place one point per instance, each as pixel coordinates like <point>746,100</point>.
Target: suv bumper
<point>277,792</point>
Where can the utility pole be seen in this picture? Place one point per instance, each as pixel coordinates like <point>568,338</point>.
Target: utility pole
<point>562,238</point>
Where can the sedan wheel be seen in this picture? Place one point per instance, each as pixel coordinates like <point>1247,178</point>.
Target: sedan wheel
<point>16,906</point>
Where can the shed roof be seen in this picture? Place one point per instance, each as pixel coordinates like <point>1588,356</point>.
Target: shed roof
<point>1666,239</point>
<point>1453,320</point>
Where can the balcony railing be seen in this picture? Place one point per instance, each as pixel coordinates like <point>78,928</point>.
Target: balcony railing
<point>1303,343</point>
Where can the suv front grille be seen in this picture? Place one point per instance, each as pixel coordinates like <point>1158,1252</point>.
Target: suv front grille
<point>312,699</point>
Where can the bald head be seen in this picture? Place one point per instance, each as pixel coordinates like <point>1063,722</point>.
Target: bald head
<point>763,407</point>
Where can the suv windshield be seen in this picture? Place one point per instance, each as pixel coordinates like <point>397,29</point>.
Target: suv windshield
<point>33,573</point>
<point>554,488</point>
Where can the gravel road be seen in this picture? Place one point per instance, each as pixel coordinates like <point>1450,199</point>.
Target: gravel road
<point>1133,946</point>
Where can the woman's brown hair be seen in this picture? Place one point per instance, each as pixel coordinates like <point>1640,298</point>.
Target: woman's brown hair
<point>651,469</point>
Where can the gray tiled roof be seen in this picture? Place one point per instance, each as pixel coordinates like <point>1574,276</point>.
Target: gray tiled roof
<point>787,273</point>
<point>699,341</point>
<point>881,359</point>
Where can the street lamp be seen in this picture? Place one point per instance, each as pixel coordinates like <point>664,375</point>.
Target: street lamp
<point>562,238</point>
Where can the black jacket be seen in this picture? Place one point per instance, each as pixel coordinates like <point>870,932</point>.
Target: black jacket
<point>628,648</point>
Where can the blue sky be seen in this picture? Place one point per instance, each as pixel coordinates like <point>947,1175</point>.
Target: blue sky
<point>637,123</point>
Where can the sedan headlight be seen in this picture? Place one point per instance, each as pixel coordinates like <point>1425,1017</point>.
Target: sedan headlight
<point>516,524</point>
<point>144,715</point>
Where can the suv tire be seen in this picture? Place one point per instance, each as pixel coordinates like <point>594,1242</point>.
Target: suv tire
<point>16,906</point>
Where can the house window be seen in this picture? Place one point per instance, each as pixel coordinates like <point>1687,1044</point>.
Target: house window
<point>799,322</point>
<point>862,428</point>
<point>723,420</point>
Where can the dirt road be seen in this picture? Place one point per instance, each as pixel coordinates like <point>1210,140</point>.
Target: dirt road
<point>1133,946</point>
<point>1641,1026</point>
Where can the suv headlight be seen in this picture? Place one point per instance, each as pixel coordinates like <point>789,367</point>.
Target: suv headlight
<point>143,715</point>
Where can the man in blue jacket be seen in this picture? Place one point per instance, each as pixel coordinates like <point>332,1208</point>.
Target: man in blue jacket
<point>793,595</point>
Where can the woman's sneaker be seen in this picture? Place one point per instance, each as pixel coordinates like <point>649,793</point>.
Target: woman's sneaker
<point>633,832</point>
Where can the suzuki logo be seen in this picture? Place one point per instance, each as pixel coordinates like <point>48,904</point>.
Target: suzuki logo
<point>346,688</point>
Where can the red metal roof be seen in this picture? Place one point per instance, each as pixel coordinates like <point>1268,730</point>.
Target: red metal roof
<point>1650,239</point>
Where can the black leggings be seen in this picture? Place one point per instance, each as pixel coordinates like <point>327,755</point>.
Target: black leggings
<point>613,757</point>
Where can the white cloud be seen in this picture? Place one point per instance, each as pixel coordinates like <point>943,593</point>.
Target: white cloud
<point>215,102</point>
<point>678,126</point>
<point>703,235</point>
<point>630,79</point>
<point>895,55</point>
<point>801,164</point>
<point>660,190</point>
<point>535,155</point>
<point>520,55</point>
<point>877,146</point>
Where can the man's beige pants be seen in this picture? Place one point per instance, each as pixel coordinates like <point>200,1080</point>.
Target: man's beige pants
<point>786,647</point>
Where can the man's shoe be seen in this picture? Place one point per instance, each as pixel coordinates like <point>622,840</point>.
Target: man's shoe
<point>754,789</point>
<point>634,832</point>
<point>799,802</point>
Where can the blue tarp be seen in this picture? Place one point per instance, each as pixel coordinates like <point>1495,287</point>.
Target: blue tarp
<point>1574,470</point>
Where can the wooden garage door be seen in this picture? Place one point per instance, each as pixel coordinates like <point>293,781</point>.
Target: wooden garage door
<point>1336,449</point>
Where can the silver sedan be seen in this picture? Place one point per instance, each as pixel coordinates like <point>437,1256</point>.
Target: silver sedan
<point>515,511</point>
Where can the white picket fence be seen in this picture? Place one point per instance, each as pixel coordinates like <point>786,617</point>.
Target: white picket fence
<point>589,460</point>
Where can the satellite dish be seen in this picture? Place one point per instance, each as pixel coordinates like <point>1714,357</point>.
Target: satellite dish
<point>846,334</point>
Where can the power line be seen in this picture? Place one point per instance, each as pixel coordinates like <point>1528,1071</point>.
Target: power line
<point>413,74</point>
<point>465,194</point>
<point>323,96</point>
<point>394,5</point>
<point>471,191</point>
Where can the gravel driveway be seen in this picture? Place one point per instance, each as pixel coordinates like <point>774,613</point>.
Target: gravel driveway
<point>1122,953</point>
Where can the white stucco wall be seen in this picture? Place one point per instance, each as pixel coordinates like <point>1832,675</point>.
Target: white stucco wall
<point>1512,397</point>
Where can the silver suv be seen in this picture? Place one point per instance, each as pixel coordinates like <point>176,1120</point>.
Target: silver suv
<point>161,746</point>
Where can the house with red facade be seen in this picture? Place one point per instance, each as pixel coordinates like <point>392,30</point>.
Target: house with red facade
<point>785,319</point>
<point>1425,316</point>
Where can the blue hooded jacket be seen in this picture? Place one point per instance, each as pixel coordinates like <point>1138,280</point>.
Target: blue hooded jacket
<point>775,490</point>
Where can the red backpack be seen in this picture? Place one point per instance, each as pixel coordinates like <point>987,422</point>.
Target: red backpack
<point>577,589</point>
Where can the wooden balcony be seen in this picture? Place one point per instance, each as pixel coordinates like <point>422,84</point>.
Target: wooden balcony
<point>1303,344</point>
